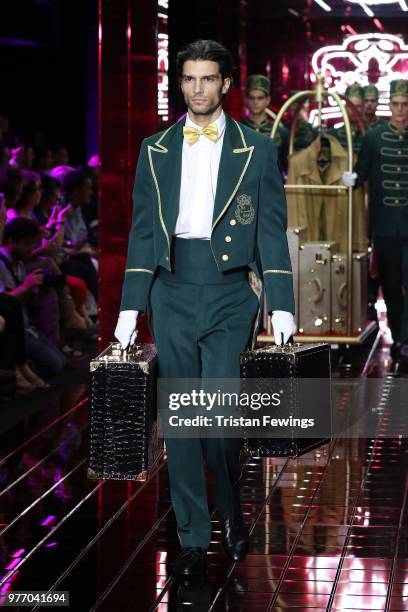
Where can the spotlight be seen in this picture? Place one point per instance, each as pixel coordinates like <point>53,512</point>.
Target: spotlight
<point>323,5</point>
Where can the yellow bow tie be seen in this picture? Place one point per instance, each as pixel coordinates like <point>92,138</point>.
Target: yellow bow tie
<point>192,134</point>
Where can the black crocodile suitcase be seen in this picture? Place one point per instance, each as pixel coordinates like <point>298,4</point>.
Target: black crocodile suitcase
<point>124,442</point>
<point>290,363</point>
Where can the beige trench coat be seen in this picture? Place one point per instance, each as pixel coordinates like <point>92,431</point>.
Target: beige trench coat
<point>324,212</point>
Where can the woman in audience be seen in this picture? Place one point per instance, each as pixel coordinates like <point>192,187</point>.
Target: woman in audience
<point>11,186</point>
<point>46,257</point>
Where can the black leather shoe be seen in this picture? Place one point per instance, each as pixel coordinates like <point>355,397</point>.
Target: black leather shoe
<point>190,562</point>
<point>235,539</point>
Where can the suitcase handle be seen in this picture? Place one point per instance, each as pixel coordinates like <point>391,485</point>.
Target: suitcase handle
<point>133,349</point>
<point>340,294</point>
<point>289,343</point>
<point>320,290</point>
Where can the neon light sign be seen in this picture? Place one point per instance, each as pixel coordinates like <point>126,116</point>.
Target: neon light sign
<point>364,58</point>
<point>163,61</point>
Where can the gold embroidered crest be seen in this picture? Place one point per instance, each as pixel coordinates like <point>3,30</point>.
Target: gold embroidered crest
<point>244,211</point>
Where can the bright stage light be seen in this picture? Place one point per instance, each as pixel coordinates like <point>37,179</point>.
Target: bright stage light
<point>378,2</point>
<point>162,62</point>
<point>352,61</point>
<point>323,5</point>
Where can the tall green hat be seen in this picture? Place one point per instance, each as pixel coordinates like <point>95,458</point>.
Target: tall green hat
<point>258,81</point>
<point>399,87</point>
<point>355,91</point>
<point>371,91</point>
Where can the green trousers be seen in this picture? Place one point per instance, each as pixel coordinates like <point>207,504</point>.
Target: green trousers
<point>392,257</point>
<point>201,320</point>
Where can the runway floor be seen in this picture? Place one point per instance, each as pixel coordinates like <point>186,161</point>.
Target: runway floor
<point>329,530</point>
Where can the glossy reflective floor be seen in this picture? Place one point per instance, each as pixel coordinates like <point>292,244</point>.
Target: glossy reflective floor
<point>329,530</point>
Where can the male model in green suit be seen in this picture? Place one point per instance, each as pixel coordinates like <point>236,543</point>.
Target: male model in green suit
<point>208,211</point>
<point>383,163</point>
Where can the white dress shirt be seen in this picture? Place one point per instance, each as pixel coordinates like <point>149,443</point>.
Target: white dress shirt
<point>199,175</point>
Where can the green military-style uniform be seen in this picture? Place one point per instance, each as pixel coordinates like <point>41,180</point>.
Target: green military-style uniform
<point>383,162</point>
<point>375,123</point>
<point>202,309</point>
<point>264,127</point>
<point>262,83</point>
<point>340,133</point>
<point>281,137</point>
<point>371,91</point>
<point>304,136</point>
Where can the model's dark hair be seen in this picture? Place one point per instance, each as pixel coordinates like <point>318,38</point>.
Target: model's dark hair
<point>19,229</point>
<point>208,50</point>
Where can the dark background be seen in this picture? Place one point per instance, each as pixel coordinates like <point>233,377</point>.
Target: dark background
<point>48,67</point>
<point>49,54</point>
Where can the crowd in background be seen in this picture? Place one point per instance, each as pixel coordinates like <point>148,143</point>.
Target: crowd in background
<point>48,261</point>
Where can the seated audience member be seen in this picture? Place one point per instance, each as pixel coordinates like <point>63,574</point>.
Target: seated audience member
<point>44,160</point>
<point>20,238</point>
<point>47,256</point>
<point>50,199</point>
<point>50,214</point>
<point>82,261</point>
<point>60,155</point>
<point>90,211</point>
<point>22,157</point>
<point>29,198</point>
<point>26,207</point>
<point>11,185</point>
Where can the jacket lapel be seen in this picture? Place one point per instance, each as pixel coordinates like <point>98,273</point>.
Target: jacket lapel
<point>165,158</point>
<point>165,165</point>
<point>235,158</point>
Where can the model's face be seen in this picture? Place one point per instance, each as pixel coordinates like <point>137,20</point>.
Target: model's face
<point>203,86</point>
<point>358,103</point>
<point>370,106</point>
<point>257,101</point>
<point>399,110</point>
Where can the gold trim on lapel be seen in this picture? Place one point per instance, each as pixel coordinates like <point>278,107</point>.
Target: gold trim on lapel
<point>150,148</point>
<point>159,148</point>
<point>223,176</point>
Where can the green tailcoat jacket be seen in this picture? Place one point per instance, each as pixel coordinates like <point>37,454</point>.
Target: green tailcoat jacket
<point>249,220</point>
<point>383,162</point>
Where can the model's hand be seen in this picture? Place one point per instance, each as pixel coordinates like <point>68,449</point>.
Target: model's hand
<point>349,178</point>
<point>126,331</point>
<point>282,323</point>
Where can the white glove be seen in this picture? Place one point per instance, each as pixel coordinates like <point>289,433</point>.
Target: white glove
<point>282,323</point>
<point>349,178</point>
<point>126,331</point>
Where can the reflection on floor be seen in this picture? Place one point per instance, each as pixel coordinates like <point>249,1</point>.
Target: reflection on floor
<point>329,529</point>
